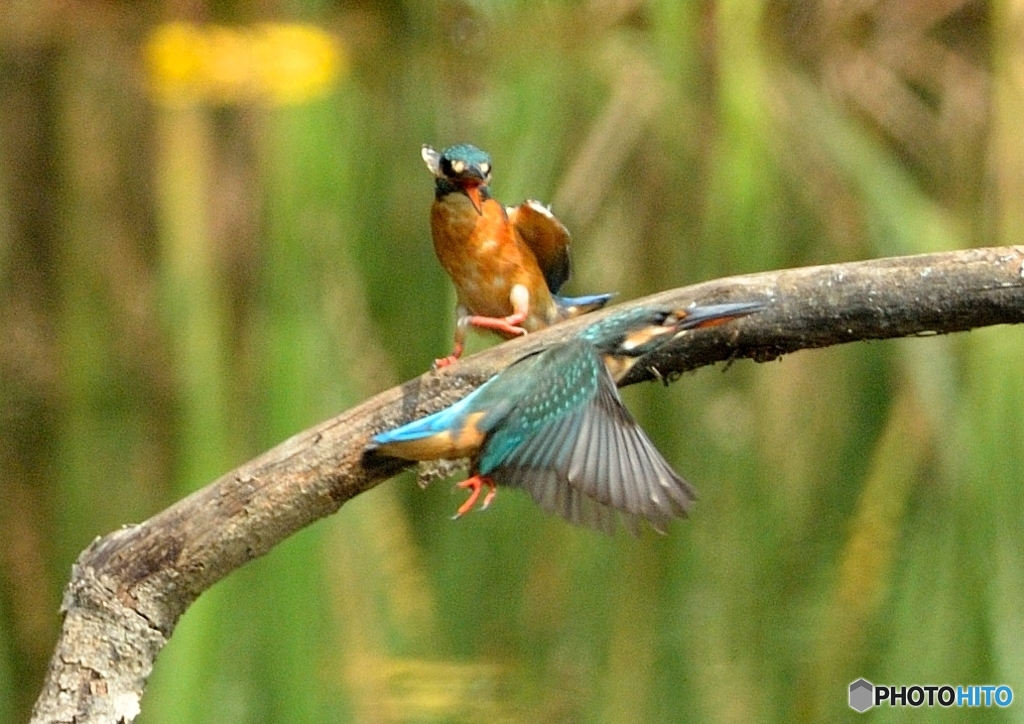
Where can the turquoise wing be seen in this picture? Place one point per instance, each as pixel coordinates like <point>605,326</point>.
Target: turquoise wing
<point>536,393</point>
<point>574,447</point>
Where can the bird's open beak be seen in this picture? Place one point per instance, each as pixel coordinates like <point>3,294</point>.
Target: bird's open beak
<point>473,192</point>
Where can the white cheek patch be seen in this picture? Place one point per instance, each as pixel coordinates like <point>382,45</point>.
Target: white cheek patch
<point>641,338</point>
<point>520,298</point>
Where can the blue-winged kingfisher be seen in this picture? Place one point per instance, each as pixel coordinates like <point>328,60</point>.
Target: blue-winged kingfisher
<point>553,424</point>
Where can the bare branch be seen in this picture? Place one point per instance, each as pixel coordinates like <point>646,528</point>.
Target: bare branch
<point>129,588</point>
<point>822,306</point>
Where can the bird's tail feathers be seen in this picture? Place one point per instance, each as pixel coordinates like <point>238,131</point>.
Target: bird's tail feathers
<point>425,427</point>
<point>570,307</point>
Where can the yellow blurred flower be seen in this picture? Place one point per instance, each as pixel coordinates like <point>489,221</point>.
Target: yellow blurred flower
<point>274,63</point>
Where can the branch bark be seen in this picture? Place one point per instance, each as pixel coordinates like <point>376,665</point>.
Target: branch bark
<point>129,588</point>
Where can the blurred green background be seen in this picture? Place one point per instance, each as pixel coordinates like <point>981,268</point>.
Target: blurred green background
<point>214,235</point>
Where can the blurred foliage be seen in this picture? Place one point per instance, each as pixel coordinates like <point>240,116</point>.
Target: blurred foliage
<point>213,234</point>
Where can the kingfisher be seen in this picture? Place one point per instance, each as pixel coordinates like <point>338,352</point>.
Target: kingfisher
<point>507,264</point>
<point>553,424</point>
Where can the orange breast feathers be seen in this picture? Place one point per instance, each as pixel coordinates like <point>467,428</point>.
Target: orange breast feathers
<point>485,259</point>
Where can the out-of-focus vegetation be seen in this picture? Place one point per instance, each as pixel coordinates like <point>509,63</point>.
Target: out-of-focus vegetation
<point>214,234</point>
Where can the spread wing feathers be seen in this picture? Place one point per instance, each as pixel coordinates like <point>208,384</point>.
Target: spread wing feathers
<point>594,462</point>
<point>547,238</point>
<point>532,394</point>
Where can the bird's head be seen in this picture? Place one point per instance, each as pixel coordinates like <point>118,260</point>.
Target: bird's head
<point>463,167</point>
<point>623,339</point>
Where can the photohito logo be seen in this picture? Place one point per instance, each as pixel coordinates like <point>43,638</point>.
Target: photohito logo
<point>864,695</point>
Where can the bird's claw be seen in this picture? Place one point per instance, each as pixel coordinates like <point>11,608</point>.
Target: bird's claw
<point>506,325</point>
<point>452,358</point>
<point>511,329</point>
<point>474,484</point>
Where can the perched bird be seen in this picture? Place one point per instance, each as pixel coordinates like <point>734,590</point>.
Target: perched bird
<point>507,264</point>
<point>553,424</point>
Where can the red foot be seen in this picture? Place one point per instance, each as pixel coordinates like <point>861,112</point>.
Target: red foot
<point>450,359</point>
<point>508,325</point>
<point>475,483</point>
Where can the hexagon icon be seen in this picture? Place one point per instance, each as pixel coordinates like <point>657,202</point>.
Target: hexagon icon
<point>861,695</point>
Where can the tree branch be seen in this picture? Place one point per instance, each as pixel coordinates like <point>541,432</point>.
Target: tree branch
<point>129,588</point>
